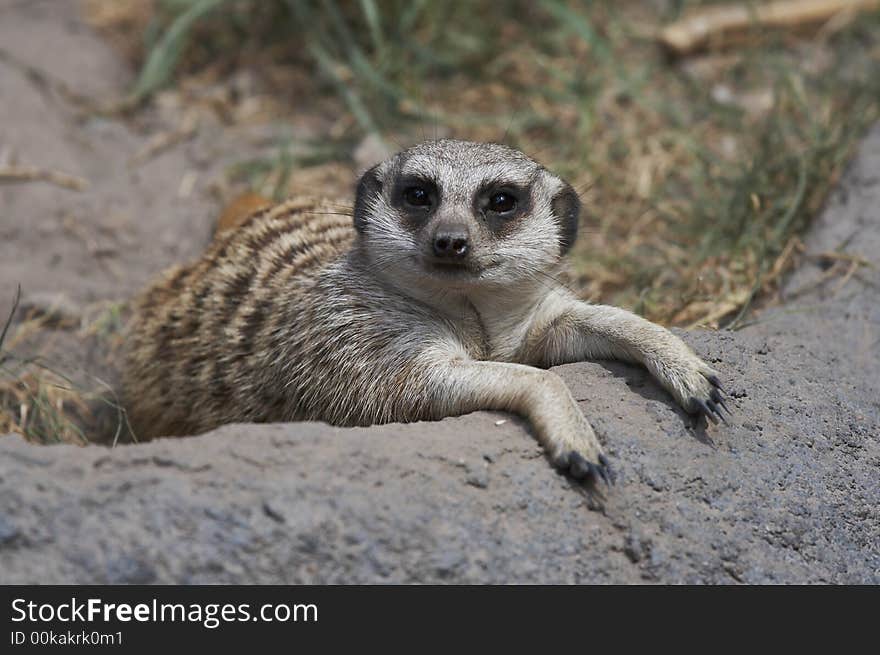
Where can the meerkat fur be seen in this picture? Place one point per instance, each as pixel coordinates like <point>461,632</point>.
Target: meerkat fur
<point>437,295</point>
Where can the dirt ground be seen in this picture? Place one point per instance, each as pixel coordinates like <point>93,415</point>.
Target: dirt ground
<point>788,492</point>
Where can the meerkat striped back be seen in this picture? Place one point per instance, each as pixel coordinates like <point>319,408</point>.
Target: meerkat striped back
<point>200,326</point>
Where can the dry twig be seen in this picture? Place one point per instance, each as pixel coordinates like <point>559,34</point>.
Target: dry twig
<point>34,174</point>
<point>698,29</point>
<point>165,140</point>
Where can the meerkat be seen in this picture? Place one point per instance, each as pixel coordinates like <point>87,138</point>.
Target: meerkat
<point>435,295</point>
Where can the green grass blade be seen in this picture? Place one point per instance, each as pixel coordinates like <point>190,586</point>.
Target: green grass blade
<point>578,24</point>
<point>160,64</point>
<point>374,24</point>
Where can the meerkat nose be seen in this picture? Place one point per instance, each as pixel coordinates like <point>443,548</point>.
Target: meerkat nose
<point>451,242</point>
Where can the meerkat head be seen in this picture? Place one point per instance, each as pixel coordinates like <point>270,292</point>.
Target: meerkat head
<point>456,214</point>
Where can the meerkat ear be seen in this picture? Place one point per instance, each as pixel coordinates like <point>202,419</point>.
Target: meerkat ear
<point>368,188</point>
<point>567,209</point>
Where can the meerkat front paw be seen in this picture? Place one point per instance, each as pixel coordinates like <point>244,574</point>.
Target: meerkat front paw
<point>710,405</point>
<point>578,454</point>
<point>577,466</point>
<point>694,384</point>
<point>563,430</point>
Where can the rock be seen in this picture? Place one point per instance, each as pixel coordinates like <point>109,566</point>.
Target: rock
<point>8,531</point>
<point>478,476</point>
<point>635,546</point>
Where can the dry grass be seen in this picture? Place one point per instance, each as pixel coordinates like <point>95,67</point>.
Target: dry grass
<point>45,405</point>
<point>35,403</point>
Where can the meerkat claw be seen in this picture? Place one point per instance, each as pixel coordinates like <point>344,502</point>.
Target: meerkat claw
<point>716,409</point>
<point>707,409</point>
<point>715,382</point>
<point>606,471</point>
<point>578,467</point>
<point>716,396</point>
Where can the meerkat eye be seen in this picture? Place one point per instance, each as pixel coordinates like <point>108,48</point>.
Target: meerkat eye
<point>501,202</point>
<point>417,196</point>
